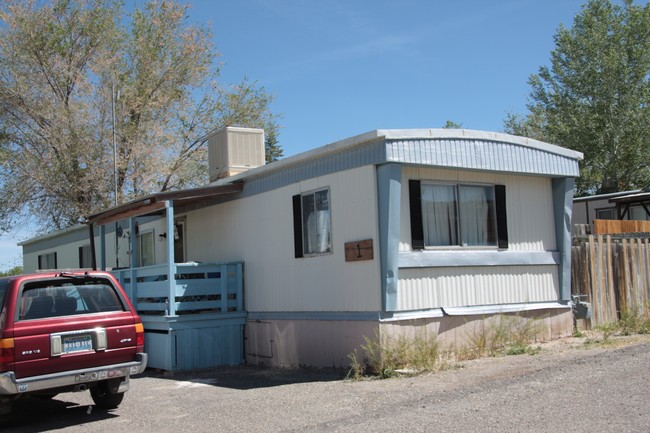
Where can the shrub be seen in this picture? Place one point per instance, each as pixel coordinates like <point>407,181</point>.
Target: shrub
<point>390,356</point>
<point>386,357</point>
<point>502,335</point>
<point>632,321</point>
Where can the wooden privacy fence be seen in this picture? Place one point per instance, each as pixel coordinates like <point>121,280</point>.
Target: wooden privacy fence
<point>614,273</point>
<point>620,226</point>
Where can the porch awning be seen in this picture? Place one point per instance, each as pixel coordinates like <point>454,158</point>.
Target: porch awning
<point>154,203</point>
<point>624,202</point>
<point>639,197</point>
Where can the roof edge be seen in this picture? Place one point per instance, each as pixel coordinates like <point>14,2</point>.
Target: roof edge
<point>398,134</point>
<point>442,133</point>
<point>318,152</point>
<point>606,195</point>
<point>74,228</point>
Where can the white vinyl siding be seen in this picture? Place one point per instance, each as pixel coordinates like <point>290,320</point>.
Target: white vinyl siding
<point>470,286</point>
<point>259,230</point>
<point>66,244</point>
<point>530,228</point>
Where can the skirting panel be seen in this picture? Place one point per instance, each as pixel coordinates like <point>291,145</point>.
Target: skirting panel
<point>327,343</point>
<point>293,343</point>
<point>455,332</point>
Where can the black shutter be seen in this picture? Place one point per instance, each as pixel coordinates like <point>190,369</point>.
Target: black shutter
<point>502,221</point>
<point>297,226</point>
<point>415,203</point>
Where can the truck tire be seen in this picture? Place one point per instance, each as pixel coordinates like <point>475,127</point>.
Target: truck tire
<point>5,407</point>
<point>46,396</point>
<point>104,398</point>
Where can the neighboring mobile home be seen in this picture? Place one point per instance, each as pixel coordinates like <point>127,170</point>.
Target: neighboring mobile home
<point>625,205</point>
<point>392,232</point>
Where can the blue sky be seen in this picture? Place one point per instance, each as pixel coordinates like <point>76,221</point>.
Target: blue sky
<point>339,68</point>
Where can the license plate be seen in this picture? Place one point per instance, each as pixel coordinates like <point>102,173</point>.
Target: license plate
<point>77,343</point>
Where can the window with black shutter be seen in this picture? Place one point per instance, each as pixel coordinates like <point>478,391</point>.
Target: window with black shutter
<point>454,214</point>
<point>312,223</point>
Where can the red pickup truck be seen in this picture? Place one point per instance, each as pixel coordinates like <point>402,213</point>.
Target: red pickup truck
<point>67,331</point>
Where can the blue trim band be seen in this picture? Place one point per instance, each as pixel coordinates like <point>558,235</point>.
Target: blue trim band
<point>389,190</point>
<point>562,211</point>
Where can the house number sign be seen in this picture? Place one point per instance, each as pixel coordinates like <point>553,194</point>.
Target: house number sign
<point>358,250</point>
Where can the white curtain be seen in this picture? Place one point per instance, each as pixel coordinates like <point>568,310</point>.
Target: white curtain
<point>476,219</point>
<point>439,209</point>
<point>323,237</point>
<point>316,222</point>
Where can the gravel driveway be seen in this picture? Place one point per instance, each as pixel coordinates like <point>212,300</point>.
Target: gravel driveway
<point>567,387</point>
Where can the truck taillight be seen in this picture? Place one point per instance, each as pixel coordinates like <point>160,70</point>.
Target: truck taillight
<point>139,337</point>
<point>6,353</point>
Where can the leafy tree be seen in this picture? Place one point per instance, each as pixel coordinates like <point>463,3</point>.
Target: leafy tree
<point>68,66</point>
<point>595,96</point>
<point>450,124</point>
<point>273,149</point>
<point>16,270</point>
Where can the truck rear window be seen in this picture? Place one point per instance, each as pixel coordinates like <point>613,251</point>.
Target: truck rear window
<point>3,290</point>
<point>55,300</point>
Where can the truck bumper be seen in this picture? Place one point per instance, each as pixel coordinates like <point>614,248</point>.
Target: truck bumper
<point>9,385</point>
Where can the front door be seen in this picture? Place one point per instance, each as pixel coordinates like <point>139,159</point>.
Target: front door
<point>179,241</point>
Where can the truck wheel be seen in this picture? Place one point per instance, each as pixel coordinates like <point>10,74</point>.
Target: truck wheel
<point>5,408</point>
<point>104,399</point>
<point>46,396</point>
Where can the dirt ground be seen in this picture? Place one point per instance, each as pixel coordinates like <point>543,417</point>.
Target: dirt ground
<point>571,385</point>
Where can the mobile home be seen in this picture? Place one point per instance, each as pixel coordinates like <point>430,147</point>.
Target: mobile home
<point>391,232</point>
